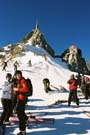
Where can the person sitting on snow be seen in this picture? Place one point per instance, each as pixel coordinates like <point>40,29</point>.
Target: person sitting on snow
<point>46,83</point>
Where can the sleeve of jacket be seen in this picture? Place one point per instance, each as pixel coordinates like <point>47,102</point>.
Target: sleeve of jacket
<point>24,87</point>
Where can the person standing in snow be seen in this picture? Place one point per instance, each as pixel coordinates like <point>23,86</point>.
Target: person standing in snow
<point>22,88</point>
<point>14,93</point>
<point>78,77</point>
<point>87,90</point>
<point>15,65</point>
<point>29,63</point>
<point>83,84</point>
<point>73,90</point>
<point>6,100</point>
<point>4,64</point>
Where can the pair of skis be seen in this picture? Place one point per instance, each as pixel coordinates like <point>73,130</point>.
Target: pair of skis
<point>33,119</point>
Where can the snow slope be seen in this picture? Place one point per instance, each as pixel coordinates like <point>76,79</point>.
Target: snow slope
<point>68,120</point>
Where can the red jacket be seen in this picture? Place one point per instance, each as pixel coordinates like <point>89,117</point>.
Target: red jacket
<point>22,87</point>
<point>72,84</point>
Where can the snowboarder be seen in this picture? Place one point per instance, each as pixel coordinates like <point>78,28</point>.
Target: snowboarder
<point>73,90</point>
<point>6,99</point>
<point>21,88</point>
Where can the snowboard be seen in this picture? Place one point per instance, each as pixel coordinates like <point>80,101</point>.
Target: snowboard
<point>32,119</point>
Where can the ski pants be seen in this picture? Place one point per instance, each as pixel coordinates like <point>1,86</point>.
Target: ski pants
<point>6,103</point>
<point>73,95</point>
<point>21,114</point>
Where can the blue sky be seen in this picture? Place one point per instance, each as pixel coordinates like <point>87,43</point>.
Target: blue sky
<point>63,22</point>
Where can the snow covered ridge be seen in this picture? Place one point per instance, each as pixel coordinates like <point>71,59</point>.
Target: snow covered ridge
<point>65,117</point>
<point>36,49</point>
<point>43,66</point>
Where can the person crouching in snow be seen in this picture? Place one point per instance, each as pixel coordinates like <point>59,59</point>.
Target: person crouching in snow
<point>73,90</point>
<point>22,88</point>
<point>6,100</point>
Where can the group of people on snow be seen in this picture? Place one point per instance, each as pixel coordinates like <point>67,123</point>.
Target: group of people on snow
<point>79,81</point>
<point>75,82</point>
<point>5,65</point>
<point>13,98</point>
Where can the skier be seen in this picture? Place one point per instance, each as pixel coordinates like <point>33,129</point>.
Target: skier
<point>22,87</point>
<point>15,65</point>
<point>6,99</point>
<point>73,90</point>
<point>4,65</point>
<point>29,63</point>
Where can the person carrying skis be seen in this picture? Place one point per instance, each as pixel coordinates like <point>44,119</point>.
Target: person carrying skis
<point>22,88</point>
<point>73,90</point>
<point>6,100</point>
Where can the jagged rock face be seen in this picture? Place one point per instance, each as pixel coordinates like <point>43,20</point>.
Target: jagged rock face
<point>73,56</point>
<point>36,37</point>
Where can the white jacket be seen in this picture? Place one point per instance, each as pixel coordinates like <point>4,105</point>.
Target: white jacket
<point>6,90</point>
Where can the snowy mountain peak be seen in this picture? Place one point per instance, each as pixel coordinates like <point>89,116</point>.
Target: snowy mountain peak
<point>36,37</point>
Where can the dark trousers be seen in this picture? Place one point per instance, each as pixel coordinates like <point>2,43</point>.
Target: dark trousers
<point>6,103</point>
<point>73,95</point>
<point>87,92</point>
<point>21,114</point>
<point>14,103</point>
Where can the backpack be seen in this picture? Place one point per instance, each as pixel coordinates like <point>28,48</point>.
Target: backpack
<point>30,88</point>
<point>30,91</point>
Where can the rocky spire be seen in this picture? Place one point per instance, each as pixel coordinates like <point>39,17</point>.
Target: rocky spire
<point>73,56</point>
<point>35,37</point>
